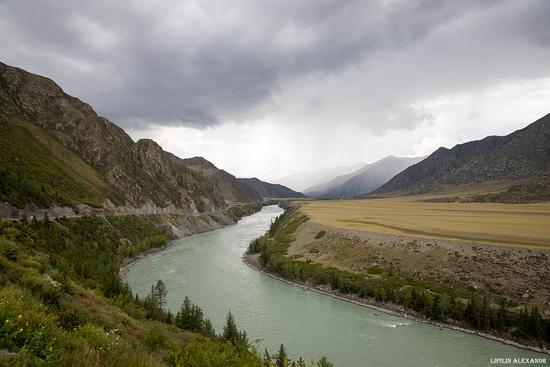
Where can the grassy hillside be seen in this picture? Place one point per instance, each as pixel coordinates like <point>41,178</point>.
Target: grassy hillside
<point>62,303</point>
<point>35,167</point>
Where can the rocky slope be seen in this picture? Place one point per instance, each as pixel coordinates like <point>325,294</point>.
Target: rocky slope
<point>228,185</point>
<point>56,151</point>
<point>362,181</point>
<point>521,155</point>
<point>269,190</point>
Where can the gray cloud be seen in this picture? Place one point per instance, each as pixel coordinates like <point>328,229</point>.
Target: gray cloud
<point>199,63</point>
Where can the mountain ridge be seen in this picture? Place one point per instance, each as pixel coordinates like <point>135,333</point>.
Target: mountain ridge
<point>364,180</point>
<point>270,190</point>
<point>519,155</point>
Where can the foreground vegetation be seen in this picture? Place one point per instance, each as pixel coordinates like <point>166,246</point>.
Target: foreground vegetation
<point>63,304</point>
<point>465,306</point>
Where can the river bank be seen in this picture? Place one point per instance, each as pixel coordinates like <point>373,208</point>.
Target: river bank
<point>252,262</point>
<point>188,225</point>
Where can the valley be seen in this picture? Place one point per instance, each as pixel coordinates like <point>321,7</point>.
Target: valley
<point>458,238</point>
<point>274,183</point>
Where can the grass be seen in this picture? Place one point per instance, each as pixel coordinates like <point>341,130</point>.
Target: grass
<point>524,225</point>
<point>36,167</point>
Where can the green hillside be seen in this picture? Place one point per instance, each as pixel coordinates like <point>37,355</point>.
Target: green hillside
<point>35,167</point>
<point>62,302</point>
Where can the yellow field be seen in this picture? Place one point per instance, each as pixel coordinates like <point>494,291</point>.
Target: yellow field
<point>505,224</point>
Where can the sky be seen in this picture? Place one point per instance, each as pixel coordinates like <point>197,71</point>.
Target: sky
<point>273,88</point>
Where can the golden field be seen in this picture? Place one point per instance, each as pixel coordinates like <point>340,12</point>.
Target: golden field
<point>504,224</point>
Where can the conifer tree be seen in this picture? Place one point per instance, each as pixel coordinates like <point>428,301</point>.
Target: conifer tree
<point>324,362</point>
<point>282,357</point>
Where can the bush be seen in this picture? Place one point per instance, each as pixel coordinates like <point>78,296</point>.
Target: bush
<point>155,339</point>
<point>9,249</point>
<point>320,235</point>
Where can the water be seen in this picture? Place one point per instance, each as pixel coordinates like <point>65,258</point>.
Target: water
<point>208,268</point>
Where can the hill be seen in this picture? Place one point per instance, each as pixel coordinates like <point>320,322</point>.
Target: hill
<point>269,190</point>
<point>521,155</point>
<point>56,151</point>
<point>362,181</point>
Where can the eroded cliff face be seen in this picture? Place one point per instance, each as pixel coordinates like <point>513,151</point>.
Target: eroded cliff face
<point>141,175</point>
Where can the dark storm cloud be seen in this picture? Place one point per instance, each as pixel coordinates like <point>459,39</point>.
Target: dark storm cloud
<point>200,63</point>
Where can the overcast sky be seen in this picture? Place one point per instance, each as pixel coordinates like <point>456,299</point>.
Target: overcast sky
<point>270,88</point>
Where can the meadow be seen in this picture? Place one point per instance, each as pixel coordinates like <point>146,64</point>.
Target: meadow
<point>523,225</point>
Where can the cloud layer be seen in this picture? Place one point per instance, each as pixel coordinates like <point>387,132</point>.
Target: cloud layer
<point>372,68</point>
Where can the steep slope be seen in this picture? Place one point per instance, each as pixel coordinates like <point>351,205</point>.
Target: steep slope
<point>269,190</point>
<point>65,154</point>
<point>522,154</point>
<point>303,181</point>
<point>225,183</point>
<point>364,180</point>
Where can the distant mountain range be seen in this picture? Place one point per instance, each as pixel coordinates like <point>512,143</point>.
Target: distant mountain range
<point>56,151</point>
<point>521,160</point>
<point>303,181</point>
<point>364,180</point>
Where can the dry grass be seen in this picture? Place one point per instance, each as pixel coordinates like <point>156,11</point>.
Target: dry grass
<point>524,225</point>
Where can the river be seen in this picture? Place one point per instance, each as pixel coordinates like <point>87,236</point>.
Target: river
<point>208,268</point>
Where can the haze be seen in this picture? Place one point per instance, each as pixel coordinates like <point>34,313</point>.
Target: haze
<point>273,88</point>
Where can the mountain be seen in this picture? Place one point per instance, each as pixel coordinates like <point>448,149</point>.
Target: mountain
<point>269,190</point>
<point>523,154</point>
<point>231,188</point>
<point>301,182</point>
<point>56,151</point>
<point>362,181</point>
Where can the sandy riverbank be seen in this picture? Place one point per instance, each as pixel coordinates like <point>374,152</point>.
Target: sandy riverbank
<point>252,262</point>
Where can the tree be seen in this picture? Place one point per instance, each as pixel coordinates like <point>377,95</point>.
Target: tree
<point>230,331</point>
<point>282,357</point>
<point>208,329</point>
<point>191,317</point>
<point>266,359</point>
<point>155,302</point>
<point>324,362</point>
<point>160,292</point>
<point>300,362</point>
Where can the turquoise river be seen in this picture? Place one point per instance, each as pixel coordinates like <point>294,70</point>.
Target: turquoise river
<point>208,267</point>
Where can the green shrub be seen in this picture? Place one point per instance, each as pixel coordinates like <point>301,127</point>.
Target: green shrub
<point>320,235</point>
<point>155,339</point>
<point>9,249</point>
<point>375,270</point>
